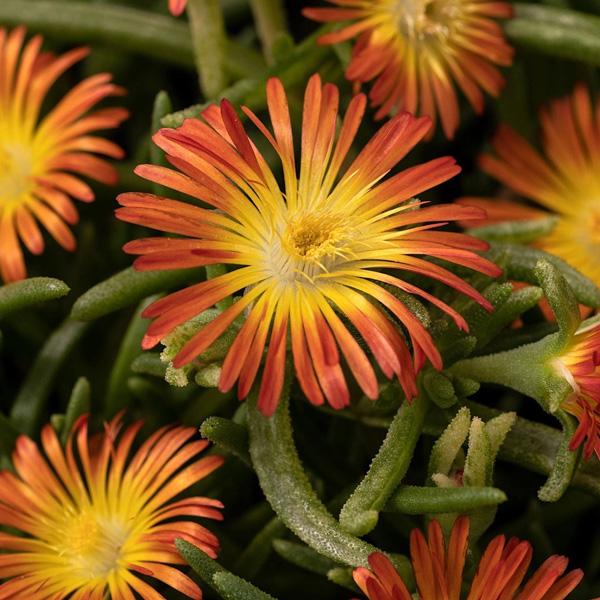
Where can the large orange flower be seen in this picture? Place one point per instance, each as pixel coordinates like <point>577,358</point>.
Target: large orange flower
<point>89,531</point>
<point>564,180</point>
<point>439,567</point>
<point>41,159</point>
<point>309,258</point>
<point>416,49</point>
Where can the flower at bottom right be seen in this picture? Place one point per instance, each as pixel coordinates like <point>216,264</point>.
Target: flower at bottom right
<point>438,569</point>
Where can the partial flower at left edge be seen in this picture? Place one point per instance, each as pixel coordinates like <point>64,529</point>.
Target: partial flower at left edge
<point>42,159</point>
<point>92,521</point>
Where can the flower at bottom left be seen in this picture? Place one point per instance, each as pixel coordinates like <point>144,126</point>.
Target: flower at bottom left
<point>92,522</point>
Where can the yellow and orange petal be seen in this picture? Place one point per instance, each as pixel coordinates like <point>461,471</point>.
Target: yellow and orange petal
<point>419,51</point>
<point>580,365</point>
<point>307,258</point>
<point>176,7</point>
<point>564,179</point>
<point>438,569</point>
<point>42,159</point>
<point>91,521</point>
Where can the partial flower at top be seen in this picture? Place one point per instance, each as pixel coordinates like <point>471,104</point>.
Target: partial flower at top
<point>564,180</point>
<point>438,569</point>
<point>309,258</point>
<point>40,160</point>
<point>417,48</point>
<point>176,7</point>
<point>580,365</point>
<point>89,531</point>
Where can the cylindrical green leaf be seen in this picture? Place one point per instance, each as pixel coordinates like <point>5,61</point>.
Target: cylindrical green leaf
<point>415,500</point>
<point>361,512</point>
<point>79,404</point>
<point>128,287</point>
<point>229,435</point>
<point>286,487</point>
<point>556,32</point>
<point>28,292</point>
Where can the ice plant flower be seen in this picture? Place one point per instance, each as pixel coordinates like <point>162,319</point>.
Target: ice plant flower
<point>308,256</point>
<point>88,531</point>
<point>438,569</point>
<point>564,180</point>
<point>416,50</point>
<point>176,7</point>
<point>580,365</point>
<point>41,159</point>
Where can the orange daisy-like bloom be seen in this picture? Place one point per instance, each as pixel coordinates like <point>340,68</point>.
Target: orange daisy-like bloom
<point>39,159</point>
<point>176,7</point>
<point>90,530</point>
<point>416,50</point>
<point>564,180</point>
<point>438,570</point>
<point>306,255</point>
<point>580,365</point>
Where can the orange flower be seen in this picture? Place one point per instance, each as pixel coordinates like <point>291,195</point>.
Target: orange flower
<point>564,180</point>
<point>439,570</point>
<point>580,365</point>
<point>90,530</point>
<point>39,160</point>
<point>176,7</point>
<point>416,49</point>
<point>308,256</point>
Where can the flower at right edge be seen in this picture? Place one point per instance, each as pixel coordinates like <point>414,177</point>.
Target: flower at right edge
<point>563,180</point>
<point>580,365</point>
<point>416,50</point>
<point>438,570</point>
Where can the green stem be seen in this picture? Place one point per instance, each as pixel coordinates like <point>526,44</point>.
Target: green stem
<point>270,21</point>
<point>117,392</point>
<point>209,41</point>
<point>286,487</point>
<point>121,28</point>
<point>26,413</point>
<point>361,512</point>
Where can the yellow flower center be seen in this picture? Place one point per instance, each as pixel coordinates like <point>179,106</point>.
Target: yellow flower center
<point>311,244</point>
<point>422,20</point>
<point>593,223</point>
<point>91,544</point>
<point>16,165</point>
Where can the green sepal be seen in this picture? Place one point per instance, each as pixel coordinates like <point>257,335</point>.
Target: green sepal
<point>555,32</point>
<point>416,500</point>
<point>149,363</point>
<point>448,445</point>
<point>29,292</point>
<point>516,232</point>
<point>521,262</point>
<point>360,513</point>
<point>228,435</point>
<point>562,301</point>
<point>128,287</point>
<point>222,581</point>
<point>439,388</point>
